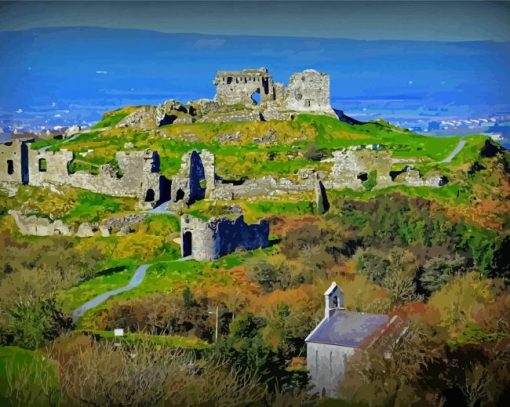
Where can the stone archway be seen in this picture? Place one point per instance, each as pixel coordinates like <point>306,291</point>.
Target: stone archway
<point>150,195</point>
<point>187,246</point>
<point>179,196</point>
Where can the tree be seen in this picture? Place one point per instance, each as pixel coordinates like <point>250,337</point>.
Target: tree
<point>373,264</point>
<point>35,323</point>
<point>437,271</point>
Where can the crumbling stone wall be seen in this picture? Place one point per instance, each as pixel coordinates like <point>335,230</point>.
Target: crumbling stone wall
<point>33,225</point>
<point>195,179</point>
<point>264,186</point>
<point>308,91</point>
<point>240,86</point>
<point>352,167</point>
<point>139,174</point>
<point>14,162</point>
<point>208,240</point>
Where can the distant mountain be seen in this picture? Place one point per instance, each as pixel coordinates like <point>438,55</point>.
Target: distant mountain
<point>60,73</point>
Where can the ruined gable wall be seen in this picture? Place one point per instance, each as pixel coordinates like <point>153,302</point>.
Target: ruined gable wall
<point>308,91</point>
<point>349,164</point>
<point>186,184</point>
<point>10,161</point>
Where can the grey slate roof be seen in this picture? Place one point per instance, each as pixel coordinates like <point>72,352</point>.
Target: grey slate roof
<point>347,328</point>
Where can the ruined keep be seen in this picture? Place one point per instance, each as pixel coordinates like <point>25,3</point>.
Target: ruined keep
<point>307,91</point>
<point>210,239</point>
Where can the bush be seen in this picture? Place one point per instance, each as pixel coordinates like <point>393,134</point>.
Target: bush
<point>34,324</point>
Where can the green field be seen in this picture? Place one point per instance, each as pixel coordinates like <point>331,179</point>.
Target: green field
<point>27,378</point>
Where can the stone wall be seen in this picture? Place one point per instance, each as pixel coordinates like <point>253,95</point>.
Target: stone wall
<point>139,174</point>
<point>195,179</point>
<point>33,225</point>
<point>234,87</point>
<point>327,365</point>
<point>308,91</point>
<point>14,161</point>
<point>208,240</point>
<point>265,186</point>
<point>352,167</point>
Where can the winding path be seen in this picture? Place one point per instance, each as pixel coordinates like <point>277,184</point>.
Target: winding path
<point>94,302</point>
<point>456,151</point>
<point>135,281</point>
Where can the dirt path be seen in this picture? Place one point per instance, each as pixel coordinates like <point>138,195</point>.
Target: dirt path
<point>456,151</point>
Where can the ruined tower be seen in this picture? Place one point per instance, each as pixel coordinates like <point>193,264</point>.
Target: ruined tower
<point>248,87</point>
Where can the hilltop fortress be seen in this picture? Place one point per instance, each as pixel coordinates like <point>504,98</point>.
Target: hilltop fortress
<point>307,91</point>
<point>240,96</point>
<point>247,95</point>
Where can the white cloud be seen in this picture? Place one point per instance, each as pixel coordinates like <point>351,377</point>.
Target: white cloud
<point>19,111</point>
<point>102,72</point>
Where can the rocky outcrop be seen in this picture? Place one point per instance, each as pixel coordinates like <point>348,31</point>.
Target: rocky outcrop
<point>36,226</point>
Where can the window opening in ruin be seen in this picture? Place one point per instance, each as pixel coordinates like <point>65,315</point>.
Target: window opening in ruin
<point>10,167</point>
<point>168,119</point>
<point>187,244</point>
<point>363,176</point>
<point>255,97</point>
<point>307,102</point>
<point>150,195</point>
<point>297,95</point>
<point>229,80</point>
<point>179,196</point>
<point>43,165</point>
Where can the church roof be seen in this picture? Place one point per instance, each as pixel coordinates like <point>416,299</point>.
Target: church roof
<point>347,328</point>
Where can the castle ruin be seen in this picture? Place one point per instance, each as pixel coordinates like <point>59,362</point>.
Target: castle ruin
<point>137,175</point>
<point>210,239</point>
<point>307,91</point>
